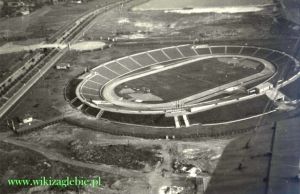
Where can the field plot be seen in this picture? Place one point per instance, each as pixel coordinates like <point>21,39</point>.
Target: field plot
<point>151,120</point>
<point>126,156</point>
<point>10,63</point>
<point>193,78</point>
<point>96,148</point>
<point>235,111</point>
<point>178,4</point>
<point>45,21</point>
<point>130,23</point>
<point>23,163</point>
<point>157,163</point>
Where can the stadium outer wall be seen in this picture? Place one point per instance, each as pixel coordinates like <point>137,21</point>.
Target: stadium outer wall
<point>210,49</point>
<point>218,131</point>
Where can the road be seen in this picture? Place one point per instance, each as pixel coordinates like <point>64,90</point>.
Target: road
<point>11,101</point>
<point>17,95</point>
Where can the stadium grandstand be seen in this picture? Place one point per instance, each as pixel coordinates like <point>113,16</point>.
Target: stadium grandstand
<point>89,96</point>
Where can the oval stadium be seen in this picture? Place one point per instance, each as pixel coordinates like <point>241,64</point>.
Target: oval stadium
<point>186,85</point>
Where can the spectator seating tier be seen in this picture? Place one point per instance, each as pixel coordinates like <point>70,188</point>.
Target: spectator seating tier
<point>116,67</point>
<point>187,51</point>
<point>144,59</point>
<point>130,64</point>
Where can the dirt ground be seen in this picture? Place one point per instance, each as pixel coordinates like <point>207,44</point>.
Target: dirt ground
<point>96,148</point>
<point>126,24</point>
<point>19,163</point>
<point>160,171</point>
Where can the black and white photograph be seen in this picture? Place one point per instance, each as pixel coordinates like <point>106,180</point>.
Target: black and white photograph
<point>149,97</point>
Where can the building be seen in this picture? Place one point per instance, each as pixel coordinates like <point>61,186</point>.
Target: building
<point>63,66</point>
<point>27,119</point>
<point>15,8</point>
<point>263,87</point>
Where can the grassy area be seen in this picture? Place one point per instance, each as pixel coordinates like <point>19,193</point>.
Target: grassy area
<point>140,119</point>
<point>234,111</point>
<point>43,22</point>
<point>20,163</point>
<point>92,147</point>
<point>71,89</point>
<point>189,79</point>
<point>127,24</point>
<point>126,156</point>
<point>9,63</point>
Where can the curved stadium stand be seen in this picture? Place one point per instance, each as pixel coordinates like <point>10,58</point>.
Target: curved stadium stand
<point>89,89</point>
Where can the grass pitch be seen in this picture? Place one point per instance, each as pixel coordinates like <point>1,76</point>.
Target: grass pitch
<point>190,79</point>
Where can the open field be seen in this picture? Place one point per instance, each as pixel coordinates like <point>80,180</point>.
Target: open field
<point>128,25</point>
<point>70,93</point>
<point>126,156</point>
<point>78,144</point>
<point>43,22</point>
<point>174,155</point>
<point>19,163</point>
<point>190,79</point>
<point>10,63</point>
<point>177,4</point>
<point>151,120</point>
